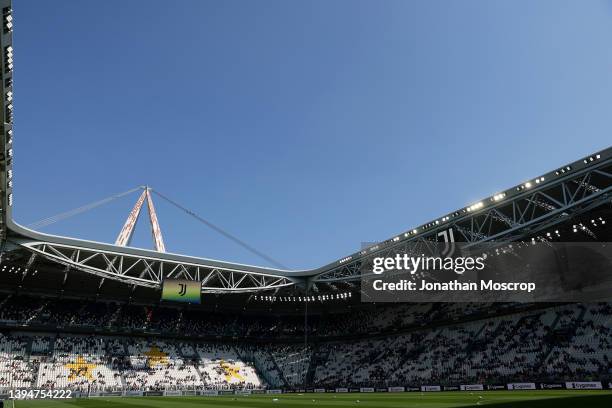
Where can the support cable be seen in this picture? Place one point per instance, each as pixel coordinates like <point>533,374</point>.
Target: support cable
<point>222,232</point>
<point>62,216</point>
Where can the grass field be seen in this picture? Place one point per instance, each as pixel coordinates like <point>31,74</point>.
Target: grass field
<point>495,399</point>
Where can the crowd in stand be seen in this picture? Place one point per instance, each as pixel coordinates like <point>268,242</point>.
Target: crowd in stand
<point>117,316</point>
<point>408,344</point>
<point>555,344</point>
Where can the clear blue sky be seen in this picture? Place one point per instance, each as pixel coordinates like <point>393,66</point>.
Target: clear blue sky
<point>303,127</point>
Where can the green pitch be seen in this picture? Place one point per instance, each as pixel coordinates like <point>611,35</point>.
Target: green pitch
<point>493,399</point>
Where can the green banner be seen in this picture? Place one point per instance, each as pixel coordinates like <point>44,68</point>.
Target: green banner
<point>181,291</point>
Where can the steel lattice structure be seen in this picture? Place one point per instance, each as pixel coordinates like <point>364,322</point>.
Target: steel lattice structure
<point>521,211</point>
<point>149,271</point>
<point>579,188</point>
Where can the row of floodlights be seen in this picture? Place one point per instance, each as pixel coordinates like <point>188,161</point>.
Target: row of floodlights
<point>552,235</point>
<point>13,269</point>
<point>592,158</point>
<point>7,26</point>
<point>318,298</point>
<point>472,208</point>
<point>7,20</point>
<point>595,222</point>
<point>549,236</point>
<point>8,68</point>
<point>479,205</point>
<point>530,184</point>
<point>16,269</point>
<point>8,59</point>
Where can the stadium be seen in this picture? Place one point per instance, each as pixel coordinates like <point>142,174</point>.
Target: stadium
<point>86,323</point>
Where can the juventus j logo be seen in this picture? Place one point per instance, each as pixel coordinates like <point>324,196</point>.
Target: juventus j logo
<point>182,289</point>
<point>449,242</point>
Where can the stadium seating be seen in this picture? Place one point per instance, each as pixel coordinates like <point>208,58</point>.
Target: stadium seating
<point>293,361</point>
<point>223,368</point>
<point>15,372</point>
<point>158,365</point>
<point>78,363</point>
<point>406,345</point>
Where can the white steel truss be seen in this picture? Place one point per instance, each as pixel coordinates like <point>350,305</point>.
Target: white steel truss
<point>506,216</point>
<point>150,272</point>
<point>535,210</point>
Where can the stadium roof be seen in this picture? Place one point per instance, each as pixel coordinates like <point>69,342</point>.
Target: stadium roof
<point>516,212</point>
